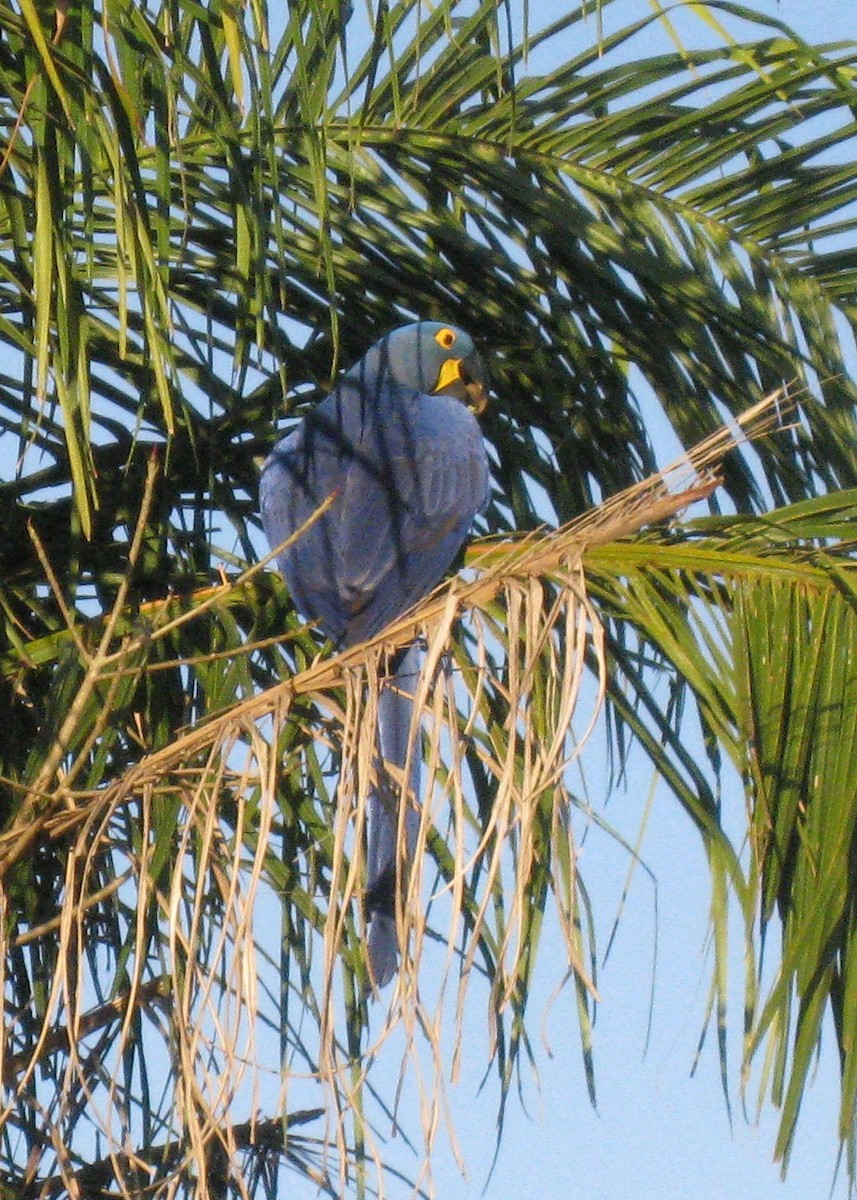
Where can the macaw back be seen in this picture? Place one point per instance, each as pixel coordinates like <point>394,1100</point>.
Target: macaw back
<point>408,473</point>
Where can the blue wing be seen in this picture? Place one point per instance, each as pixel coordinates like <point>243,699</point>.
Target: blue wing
<point>409,473</point>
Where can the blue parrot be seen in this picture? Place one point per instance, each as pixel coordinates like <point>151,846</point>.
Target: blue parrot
<point>398,445</point>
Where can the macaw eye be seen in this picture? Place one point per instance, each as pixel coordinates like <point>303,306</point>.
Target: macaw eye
<point>445,338</point>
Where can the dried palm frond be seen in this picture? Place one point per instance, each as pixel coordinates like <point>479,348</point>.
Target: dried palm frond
<point>196,846</point>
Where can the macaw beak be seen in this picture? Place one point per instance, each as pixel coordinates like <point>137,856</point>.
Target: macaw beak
<point>465,379</point>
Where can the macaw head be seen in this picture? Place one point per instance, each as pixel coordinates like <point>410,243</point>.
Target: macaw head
<point>430,357</point>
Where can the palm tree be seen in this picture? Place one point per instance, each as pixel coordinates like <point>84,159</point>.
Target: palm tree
<point>204,210</point>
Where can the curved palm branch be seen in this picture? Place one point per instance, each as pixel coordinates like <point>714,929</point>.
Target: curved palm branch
<point>201,211</point>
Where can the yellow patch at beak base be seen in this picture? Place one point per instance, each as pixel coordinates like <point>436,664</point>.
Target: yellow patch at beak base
<point>450,372</point>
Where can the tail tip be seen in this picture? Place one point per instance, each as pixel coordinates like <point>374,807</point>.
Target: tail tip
<point>383,949</point>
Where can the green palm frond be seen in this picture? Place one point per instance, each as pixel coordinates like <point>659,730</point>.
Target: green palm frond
<point>580,235</point>
<point>206,210</point>
<point>759,617</point>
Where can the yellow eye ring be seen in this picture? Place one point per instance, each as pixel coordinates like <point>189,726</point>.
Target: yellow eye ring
<point>445,338</point>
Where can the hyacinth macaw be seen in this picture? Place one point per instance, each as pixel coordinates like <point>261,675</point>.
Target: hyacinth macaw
<point>398,445</point>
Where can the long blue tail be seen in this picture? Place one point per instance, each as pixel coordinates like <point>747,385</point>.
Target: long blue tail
<point>395,708</point>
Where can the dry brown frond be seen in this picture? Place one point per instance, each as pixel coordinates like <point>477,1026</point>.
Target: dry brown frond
<point>199,893</point>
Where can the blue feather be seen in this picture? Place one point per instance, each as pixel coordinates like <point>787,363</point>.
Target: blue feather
<point>397,447</point>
